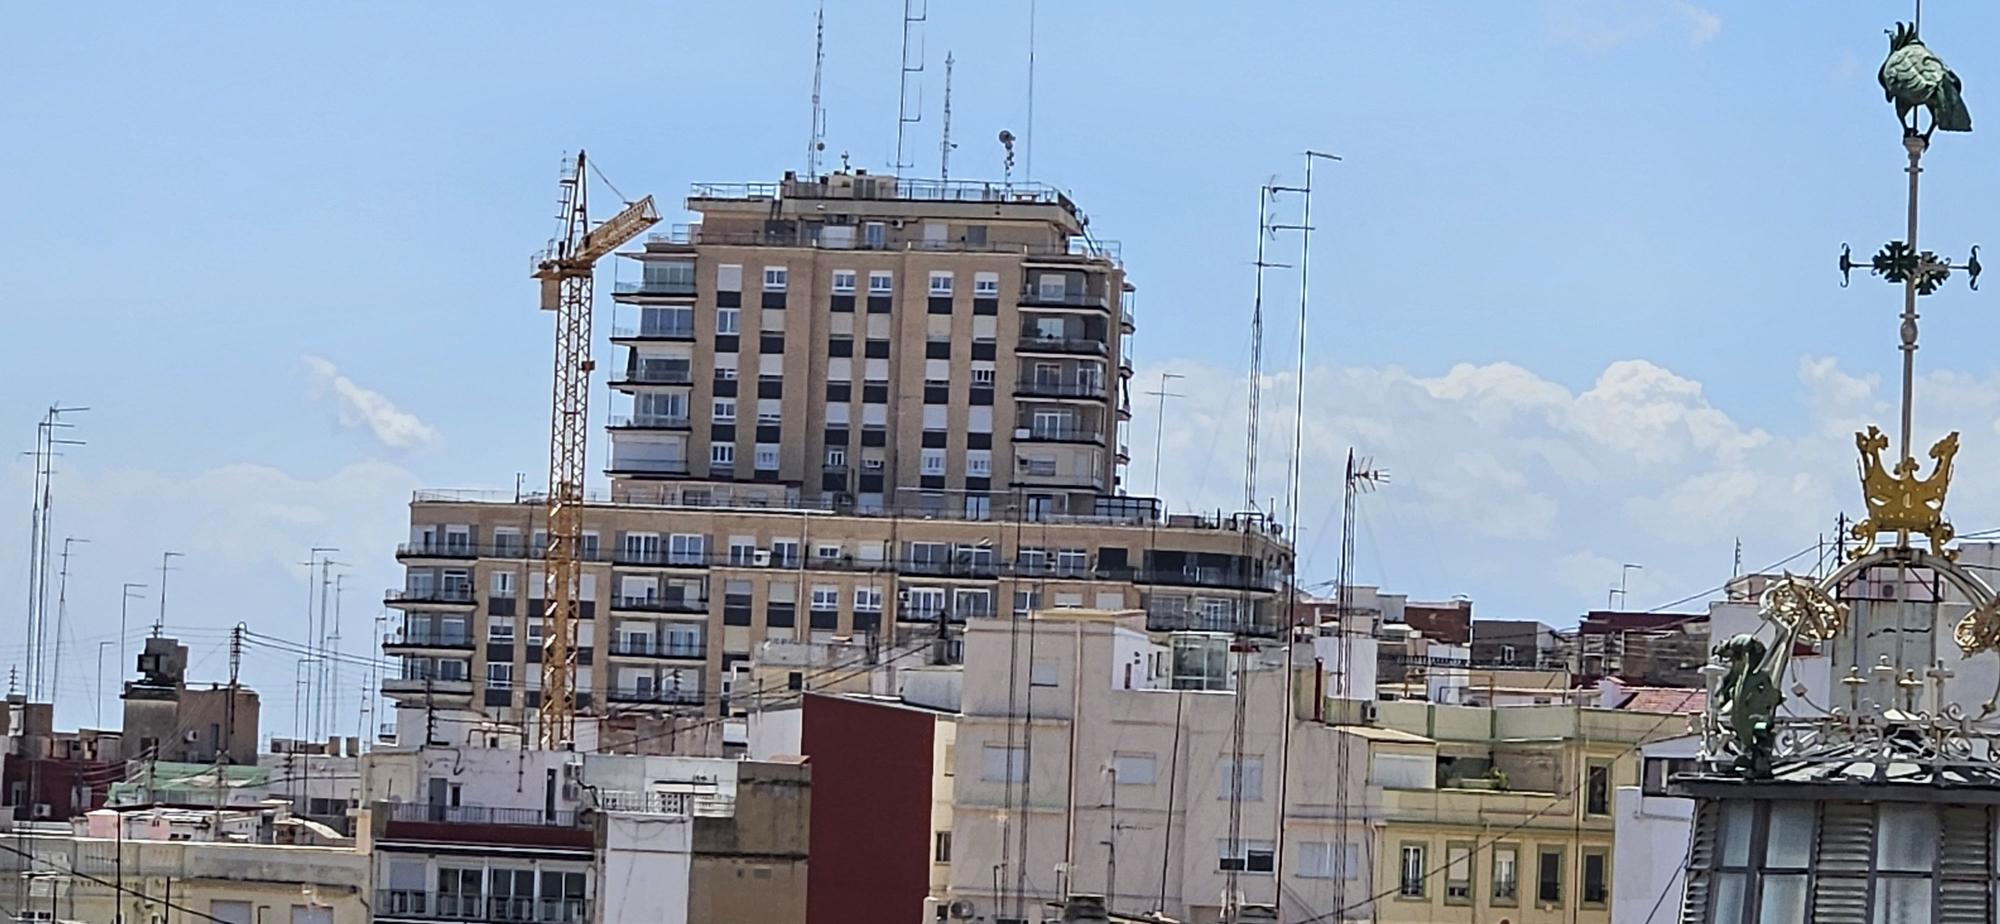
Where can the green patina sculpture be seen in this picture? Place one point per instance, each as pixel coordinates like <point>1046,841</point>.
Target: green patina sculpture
<point>1912,76</point>
<point>1748,699</point>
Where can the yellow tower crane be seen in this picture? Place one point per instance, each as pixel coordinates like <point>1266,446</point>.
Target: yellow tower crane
<point>565,274</point>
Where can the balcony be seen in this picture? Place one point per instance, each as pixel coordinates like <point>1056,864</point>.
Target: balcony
<point>667,605</point>
<point>437,549</point>
<point>456,641</point>
<point>656,697</point>
<point>441,595</point>
<point>647,467</point>
<point>1038,297</point>
<point>1045,433</point>
<point>659,558</point>
<point>439,687</point>
<point>444,906</point>
<point>1032,342</point>
<point>1032,388</point>
<point>653,375</point>
<point>678,287</point>
<point>657,648</point>
<point>648,422</point>
<point>1191,621</point>
<point>475,815</point>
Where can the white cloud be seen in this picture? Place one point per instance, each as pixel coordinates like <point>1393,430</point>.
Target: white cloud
<point>1528,495</point>
<point>1703,24</point>
<point>1601,25</point>
<point>359,407</point>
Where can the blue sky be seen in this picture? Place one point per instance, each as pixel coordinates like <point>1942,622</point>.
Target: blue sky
<point>1572,285</point>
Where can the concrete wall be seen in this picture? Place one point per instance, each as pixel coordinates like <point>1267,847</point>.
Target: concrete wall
<point>753,866</point>
<point>1650,844</point>
<point>647,863</point>
<point>272,878</point>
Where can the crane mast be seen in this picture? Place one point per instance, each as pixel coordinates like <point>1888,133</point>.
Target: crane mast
<point>564,271</point>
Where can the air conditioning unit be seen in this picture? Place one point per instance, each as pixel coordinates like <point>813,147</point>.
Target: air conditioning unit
<point>761,558</point>
<point>571,771</point>
<point>960,909</point>
<point>1369,713</point>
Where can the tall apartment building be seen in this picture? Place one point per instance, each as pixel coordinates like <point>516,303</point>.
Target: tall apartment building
<point>866,342</point>
<point>853,407</point>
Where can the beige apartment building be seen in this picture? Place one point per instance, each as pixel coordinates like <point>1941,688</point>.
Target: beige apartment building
<point>868,343</point>
<point>854,407</point>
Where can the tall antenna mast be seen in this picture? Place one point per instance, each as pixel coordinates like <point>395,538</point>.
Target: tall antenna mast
<point>1264,232</point>
<point>914,14</point>
<point>1028,154</point>
<point>817,143</point>
<point>945,146</point>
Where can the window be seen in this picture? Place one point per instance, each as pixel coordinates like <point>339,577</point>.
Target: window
<point>729,277</point>
<point>1245,856</point>
<point>825,597</point>
<point>868,599</point>
<point>725,410</point>
<point>979,463</point>
<point>1072,561</point>
<point>1412,877</point>
<point>499,676</point>
<point>1596,877</point>
<point>687,549</point>
<point>1548,876</point>
<point>774,279</point>
<point>1506,884</point>
<point>722,454</point>
<point>836,457</point>
<point>982,378</point>
<point>1044,673</point>
<point>1458,874</point>
<point>1002,764</point>
<point>985,285</point>
<point>933,462</point>
<point>978,506</point>
<point>1659,770</point>
<point>503,584</point>
<point>923,603</point>
<point>880,283</point>
<point>1134,769</point>
<point>843,282</point>
<point>1507,654</point>
<point>500,629</point>
<point>941,284</point>
<point>767,457</point>
<point>1246,778</point>
<point>941,847</point>
<point>874,236</point>
<point>728,321</point>
<point>1597,789</point>
<point>725,373</point>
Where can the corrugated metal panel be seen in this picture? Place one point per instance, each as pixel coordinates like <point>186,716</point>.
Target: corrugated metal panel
<point>1965,893</point>
<point>1846,845</point>
<point>1701,859</point>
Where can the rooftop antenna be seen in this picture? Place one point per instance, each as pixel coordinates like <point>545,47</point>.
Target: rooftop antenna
<point>39,537</point>
<point>817,143</point>
<point>1028,167</point>
<point>166,561</point>
<point>914,14</point>
<point>945,146</point>
<point>1007,166</point>
<point>1265,232</point>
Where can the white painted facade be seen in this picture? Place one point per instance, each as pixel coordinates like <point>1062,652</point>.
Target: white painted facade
<point>1650,841</point>
<point>648,862</point>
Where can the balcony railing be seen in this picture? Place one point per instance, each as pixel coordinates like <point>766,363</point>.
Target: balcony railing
<point>654,375</point>
<point>1036,295</point>
<point>1188,621</point>
<point>706,805</point>
<point>655,287</point>
<point>437,549</point>
<point>657,648</point>
<point>428,639</point>
<point>660,605</point>
<point>484,909</point>
<point>653,332</point>
<point>440,686</point>
<point>1046,389</point>
<point>659,558</point>
<point>1036,343</point>
<point>476,815</point>
<point>1054,434</point>
<point>648,422</point>
<point>649,466</point>
<point>656,697</point>
<point>446,593</point>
